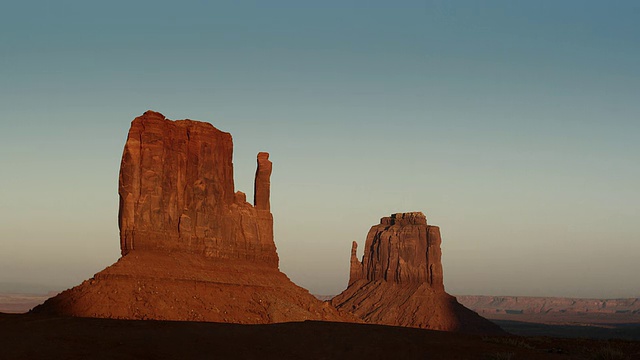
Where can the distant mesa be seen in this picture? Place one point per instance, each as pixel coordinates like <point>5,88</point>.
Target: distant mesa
<point>399,280</point>
<point>192,247</point>
<point>554,308</point>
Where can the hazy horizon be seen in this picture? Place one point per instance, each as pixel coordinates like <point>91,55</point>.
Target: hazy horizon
<point>513,126</point>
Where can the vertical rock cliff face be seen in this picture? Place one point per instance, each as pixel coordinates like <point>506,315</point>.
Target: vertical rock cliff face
<point>399,280</point>
<point>402,249</point>
<point>177,193</point>
<point>192,247</point>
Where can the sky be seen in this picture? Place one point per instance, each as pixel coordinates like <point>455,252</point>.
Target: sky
<point>513,125</point>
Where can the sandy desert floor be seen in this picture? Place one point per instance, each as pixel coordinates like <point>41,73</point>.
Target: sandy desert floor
<point>28,336</point>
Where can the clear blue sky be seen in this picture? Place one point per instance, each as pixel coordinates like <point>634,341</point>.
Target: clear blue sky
<point>514,125</point>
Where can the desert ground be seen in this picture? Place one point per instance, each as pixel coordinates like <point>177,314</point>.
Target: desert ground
<point>535,336</point>
<point>29,336</point>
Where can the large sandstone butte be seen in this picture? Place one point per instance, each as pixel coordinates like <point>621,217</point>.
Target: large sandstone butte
<point>192,247</point>
<point>399,280</point>
<point>177,194</point>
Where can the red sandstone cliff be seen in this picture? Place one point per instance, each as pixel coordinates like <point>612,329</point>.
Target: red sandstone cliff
<point>177,193</point>
<point>399,281</point>
<point>407,251</point>
<point>192,247</point>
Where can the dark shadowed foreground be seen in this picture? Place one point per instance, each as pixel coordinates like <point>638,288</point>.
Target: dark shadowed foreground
<point>31,336</point>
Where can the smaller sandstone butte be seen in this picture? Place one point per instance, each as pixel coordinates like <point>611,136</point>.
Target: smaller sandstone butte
<point>192,247</point>
<point>399,280</point>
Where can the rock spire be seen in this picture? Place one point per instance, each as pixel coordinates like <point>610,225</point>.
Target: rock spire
<point>262,184</point>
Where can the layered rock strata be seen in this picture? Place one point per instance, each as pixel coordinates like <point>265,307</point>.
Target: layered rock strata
<point>399,280</point>
<point>192,247</point>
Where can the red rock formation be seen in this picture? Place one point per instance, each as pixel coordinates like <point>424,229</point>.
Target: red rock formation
<point>192,247</point>
<point>407,251</point>
<point>177,193</point>
<point>399,281</point>
<point>262,184</point>
<point>355,268</point>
